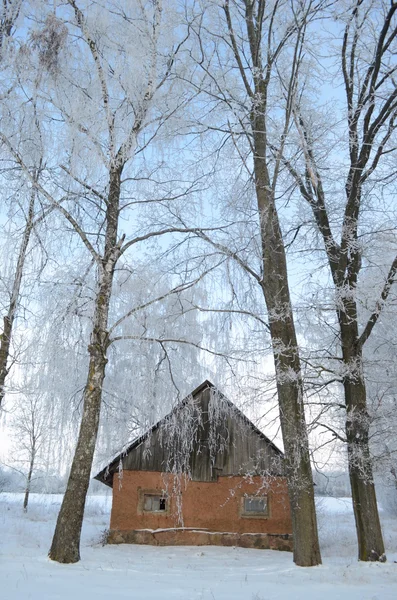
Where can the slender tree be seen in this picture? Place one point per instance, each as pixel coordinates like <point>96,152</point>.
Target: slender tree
<point>15,292</point>
<point>30,429</point>
<point>9,14</point>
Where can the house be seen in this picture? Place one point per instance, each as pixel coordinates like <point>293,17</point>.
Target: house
<point>203,475</point>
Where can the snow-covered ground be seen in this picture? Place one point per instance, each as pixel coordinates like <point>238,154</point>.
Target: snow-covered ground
<point>183,573</point>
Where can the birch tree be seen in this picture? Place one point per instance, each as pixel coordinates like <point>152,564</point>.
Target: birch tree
<point>119,99</point>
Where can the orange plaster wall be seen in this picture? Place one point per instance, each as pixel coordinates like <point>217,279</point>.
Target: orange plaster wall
<point>215,506</point>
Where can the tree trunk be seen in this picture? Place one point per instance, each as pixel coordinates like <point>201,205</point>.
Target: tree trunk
<point>256,74</point>
<point>297,457</point>
<point>287,366</point>
<point>292,418</point>
<point>65,546</point>
<point>8,320</point>
<point>28,482</point>
<point>369,532</point>
<point>5,352</point>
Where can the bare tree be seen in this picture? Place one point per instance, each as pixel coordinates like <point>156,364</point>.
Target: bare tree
<point>368,70</point>
<point>116,120</point>
<point>262,38</point>
<point>30,430</point>
<point>9,318</point>
<point>9,14</point>
<point>31,424</point>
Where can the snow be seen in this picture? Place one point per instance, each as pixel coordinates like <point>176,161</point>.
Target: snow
<point>183,573</point>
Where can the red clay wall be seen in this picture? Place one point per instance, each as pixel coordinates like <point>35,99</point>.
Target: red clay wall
<point>215,506</point>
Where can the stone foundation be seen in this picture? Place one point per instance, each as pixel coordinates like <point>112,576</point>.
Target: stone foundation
<point>199,537</point>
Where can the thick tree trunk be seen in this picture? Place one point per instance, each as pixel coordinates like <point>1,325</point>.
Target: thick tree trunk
<point>297,457</point>
<point>292,418</point>
<point>8,320</point>
<point>65,546</point>
<point>274,280</point>
<point>369,532</point>
<point>287,366</point>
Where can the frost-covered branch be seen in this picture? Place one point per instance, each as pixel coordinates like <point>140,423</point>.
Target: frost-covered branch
<point>56,203</point>
<point>390,280</point>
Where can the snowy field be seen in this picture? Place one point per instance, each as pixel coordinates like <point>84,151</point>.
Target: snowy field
<point>183,573</point>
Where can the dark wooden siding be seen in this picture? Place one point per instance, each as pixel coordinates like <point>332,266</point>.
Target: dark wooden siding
<point>206,437</point>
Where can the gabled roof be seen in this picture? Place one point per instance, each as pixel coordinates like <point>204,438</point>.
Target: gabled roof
<point>113,465</point>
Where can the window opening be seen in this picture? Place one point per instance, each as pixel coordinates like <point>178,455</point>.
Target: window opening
<point>153,503</point>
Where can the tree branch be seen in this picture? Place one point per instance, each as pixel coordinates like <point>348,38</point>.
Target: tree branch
<point>379,304</point>
<point>55,203</point>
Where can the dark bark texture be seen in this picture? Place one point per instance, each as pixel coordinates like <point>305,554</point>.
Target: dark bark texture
<point>274,281</point>
<point>369,533</point>
<point>66,541</point>
<point>371,96</point>
<point>289,381</point>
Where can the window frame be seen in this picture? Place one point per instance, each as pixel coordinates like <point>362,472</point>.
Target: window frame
<point>143,493</point>
<point>251,514</point>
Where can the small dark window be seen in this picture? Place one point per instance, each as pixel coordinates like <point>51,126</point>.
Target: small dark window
<point>152,503</point>
<point>255,506</point>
